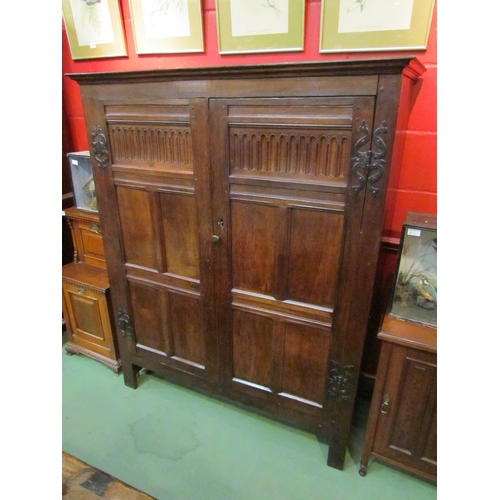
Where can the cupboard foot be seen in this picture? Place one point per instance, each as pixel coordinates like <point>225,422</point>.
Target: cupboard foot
<point>130,375</point>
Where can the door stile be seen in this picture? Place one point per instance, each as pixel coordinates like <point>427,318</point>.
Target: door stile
<point>220,249</point>
<point>355,199</point>
<point>203,182</point>
<point>100,155</point>
<point>362,277</point>
<point>344,365</point>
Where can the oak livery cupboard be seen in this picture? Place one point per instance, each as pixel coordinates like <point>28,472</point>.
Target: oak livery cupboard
<point>241,210</point>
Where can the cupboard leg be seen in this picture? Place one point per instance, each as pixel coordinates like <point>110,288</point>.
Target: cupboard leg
<point>335,459</point>
<point>130,374</point>
<point>362,468</point>
<point>336,451</point>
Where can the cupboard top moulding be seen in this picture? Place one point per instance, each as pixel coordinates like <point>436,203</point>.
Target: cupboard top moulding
<point>345,77</point>
<point>241,211</point>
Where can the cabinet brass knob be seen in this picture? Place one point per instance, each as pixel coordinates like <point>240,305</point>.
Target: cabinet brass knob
<point>94,228</point>
<point>215,238</point>
<point>384,408</point>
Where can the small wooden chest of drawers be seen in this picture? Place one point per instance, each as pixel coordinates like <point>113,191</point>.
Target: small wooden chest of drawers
<point>86,302</point>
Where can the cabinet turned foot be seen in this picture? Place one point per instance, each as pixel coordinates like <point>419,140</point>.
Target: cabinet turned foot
<point>362,469</point>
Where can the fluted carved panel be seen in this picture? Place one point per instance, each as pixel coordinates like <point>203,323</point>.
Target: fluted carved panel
<point>162,146</point>
<point>301,153</point>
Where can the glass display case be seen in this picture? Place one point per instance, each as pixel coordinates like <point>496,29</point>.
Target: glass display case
<point>414,296</point>
<point>83,181</point>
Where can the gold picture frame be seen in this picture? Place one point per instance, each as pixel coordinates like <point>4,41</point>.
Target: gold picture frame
<point>94,28</point>
<point>167,26</point>
<point>374,25</point>
<point>246,26</point>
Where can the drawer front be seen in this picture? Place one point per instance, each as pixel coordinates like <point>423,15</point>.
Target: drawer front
<point>89,243</point>
<point>88,316</point>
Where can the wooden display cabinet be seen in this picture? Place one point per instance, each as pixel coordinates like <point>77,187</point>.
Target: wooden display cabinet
<point>402,424</point>
<point>87,308</point>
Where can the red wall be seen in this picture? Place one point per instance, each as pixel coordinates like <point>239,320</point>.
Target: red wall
<point>413,187</point>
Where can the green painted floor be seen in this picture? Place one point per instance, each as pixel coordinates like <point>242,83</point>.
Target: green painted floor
<point>174,443</point>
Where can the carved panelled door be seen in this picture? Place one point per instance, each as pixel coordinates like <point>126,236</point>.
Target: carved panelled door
<point>159,197</point>
<point>287,212</point>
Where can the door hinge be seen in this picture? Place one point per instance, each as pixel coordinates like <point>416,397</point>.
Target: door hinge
<point>125,324</point>
<point>341,381</point>
<point>100,147</point>
<point>369,166</point>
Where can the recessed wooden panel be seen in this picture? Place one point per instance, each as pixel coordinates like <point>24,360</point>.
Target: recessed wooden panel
<point>315,252</point>
<point>155,136</point>
<point>137,226</point>
<point>305,362</point>
<point>297,139</point>
<point>149,322</point>
<point>180,233</point>
<point>254,233</point>
<point>416,386</point>
<point>316,154</point>
<point>186,328</point>
<point>165,147</point>
<point>86,315</point>
<point>92,243</point>
<point>252,348</point>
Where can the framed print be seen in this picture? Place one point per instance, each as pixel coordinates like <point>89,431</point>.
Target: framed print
<point>167,26</point>
<point>260,26</point>
<point>94,28</point>
<point>374,25</point>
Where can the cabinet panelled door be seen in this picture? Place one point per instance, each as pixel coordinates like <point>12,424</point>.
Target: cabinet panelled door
<point>160,171</point>
<point>280,173</point>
